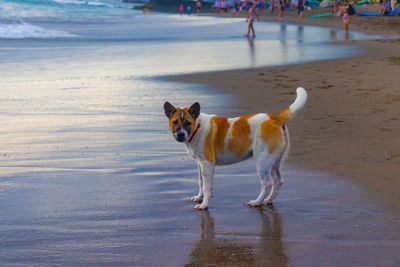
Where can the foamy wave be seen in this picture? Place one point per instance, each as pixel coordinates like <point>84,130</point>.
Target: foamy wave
<point>78,2</point>
<point>25,30</point>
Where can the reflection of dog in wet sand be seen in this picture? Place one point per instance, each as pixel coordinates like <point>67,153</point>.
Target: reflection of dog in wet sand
<point>234,249</point>
<point>213,140</point>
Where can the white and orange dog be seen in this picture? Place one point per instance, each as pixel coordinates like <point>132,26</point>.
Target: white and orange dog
<point>213,140</point>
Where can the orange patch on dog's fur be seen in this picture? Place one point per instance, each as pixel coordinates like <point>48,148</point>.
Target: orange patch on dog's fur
<point>272,132</point>
<point>177,115</point>
<point>285,115</point>
<point>215,140</point>
<point>241,141</point>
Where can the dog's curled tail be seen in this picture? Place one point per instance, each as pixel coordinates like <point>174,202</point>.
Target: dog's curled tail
<point>294,108</point>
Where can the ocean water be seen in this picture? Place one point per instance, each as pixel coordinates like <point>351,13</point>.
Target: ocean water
<point>24,18</point>
<point>63,9</point>
<point>152,44</point>
<point>90,175</point>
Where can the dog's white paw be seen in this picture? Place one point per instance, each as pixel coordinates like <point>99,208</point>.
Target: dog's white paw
<point>253,203</point>
<point>196,198</point>
<point>200,207</point>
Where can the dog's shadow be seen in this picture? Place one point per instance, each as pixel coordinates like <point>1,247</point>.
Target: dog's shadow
<point>215,249</point>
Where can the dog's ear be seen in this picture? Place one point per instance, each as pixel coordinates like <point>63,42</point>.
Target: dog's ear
<point>194,110</point>
<point>169,109</point>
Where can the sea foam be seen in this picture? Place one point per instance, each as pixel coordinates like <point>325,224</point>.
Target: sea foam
<point>26,30</point>
<point>80,2</point>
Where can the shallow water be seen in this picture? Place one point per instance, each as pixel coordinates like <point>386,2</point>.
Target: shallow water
<point>91,175</point>
<point>152,44</point>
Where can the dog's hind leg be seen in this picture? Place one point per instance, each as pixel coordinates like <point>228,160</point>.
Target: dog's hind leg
<point>263,173</point>
<point>199,196</point>
<point>277,182</point>
<point>207,172</point>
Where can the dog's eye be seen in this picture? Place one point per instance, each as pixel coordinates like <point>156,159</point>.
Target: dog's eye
<point>187,123</point>
<point>175,122</point>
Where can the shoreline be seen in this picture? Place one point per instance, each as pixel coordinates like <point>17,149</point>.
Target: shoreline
<point>349,125</point>
<point>372,25</point>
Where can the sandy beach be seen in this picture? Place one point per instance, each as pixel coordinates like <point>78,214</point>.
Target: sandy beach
<point>350,124</point>
<point>90,174</point>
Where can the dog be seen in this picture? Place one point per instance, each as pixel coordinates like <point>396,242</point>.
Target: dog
<point>212,140</point>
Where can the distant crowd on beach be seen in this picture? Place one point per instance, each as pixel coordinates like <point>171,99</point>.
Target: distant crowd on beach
<point>340,8</point>
<point>232,6</point>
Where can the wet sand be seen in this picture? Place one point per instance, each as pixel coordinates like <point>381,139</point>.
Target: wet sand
<point>349,128</point>
<point>92,176</point>
<point>350,124</point>
<point>104,183</point>
<point>142,217</point>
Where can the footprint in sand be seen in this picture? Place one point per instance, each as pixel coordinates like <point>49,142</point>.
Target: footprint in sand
<point>377,110</point>
<point>394,60</point>
<point>384,129</point>
<point>326,86</point>
<point>391,120</point>
<point>318,119</point>
<point>390,156</point>
<point>286,93</point>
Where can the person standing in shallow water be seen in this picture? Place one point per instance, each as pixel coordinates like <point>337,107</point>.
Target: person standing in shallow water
<point>282,7</point>
<point>300,7</point>
<point>198,7</point>
<point>346,19</point>
<point>250,18</point>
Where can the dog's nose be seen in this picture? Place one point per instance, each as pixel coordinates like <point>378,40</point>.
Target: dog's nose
<point>181,137</point>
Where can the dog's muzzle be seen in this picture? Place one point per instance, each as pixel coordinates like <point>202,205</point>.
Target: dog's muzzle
<point>181,135</point>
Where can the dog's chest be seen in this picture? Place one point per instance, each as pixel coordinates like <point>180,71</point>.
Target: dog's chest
<point>192,152</point>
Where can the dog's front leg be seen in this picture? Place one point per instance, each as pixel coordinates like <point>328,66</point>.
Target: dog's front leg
<point>199,196</point>
<point>207,172</point>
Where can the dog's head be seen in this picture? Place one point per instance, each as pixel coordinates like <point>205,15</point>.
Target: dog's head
<point>182,122</point>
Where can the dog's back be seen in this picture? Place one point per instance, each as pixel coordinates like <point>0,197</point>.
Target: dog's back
<point>230,140</point>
